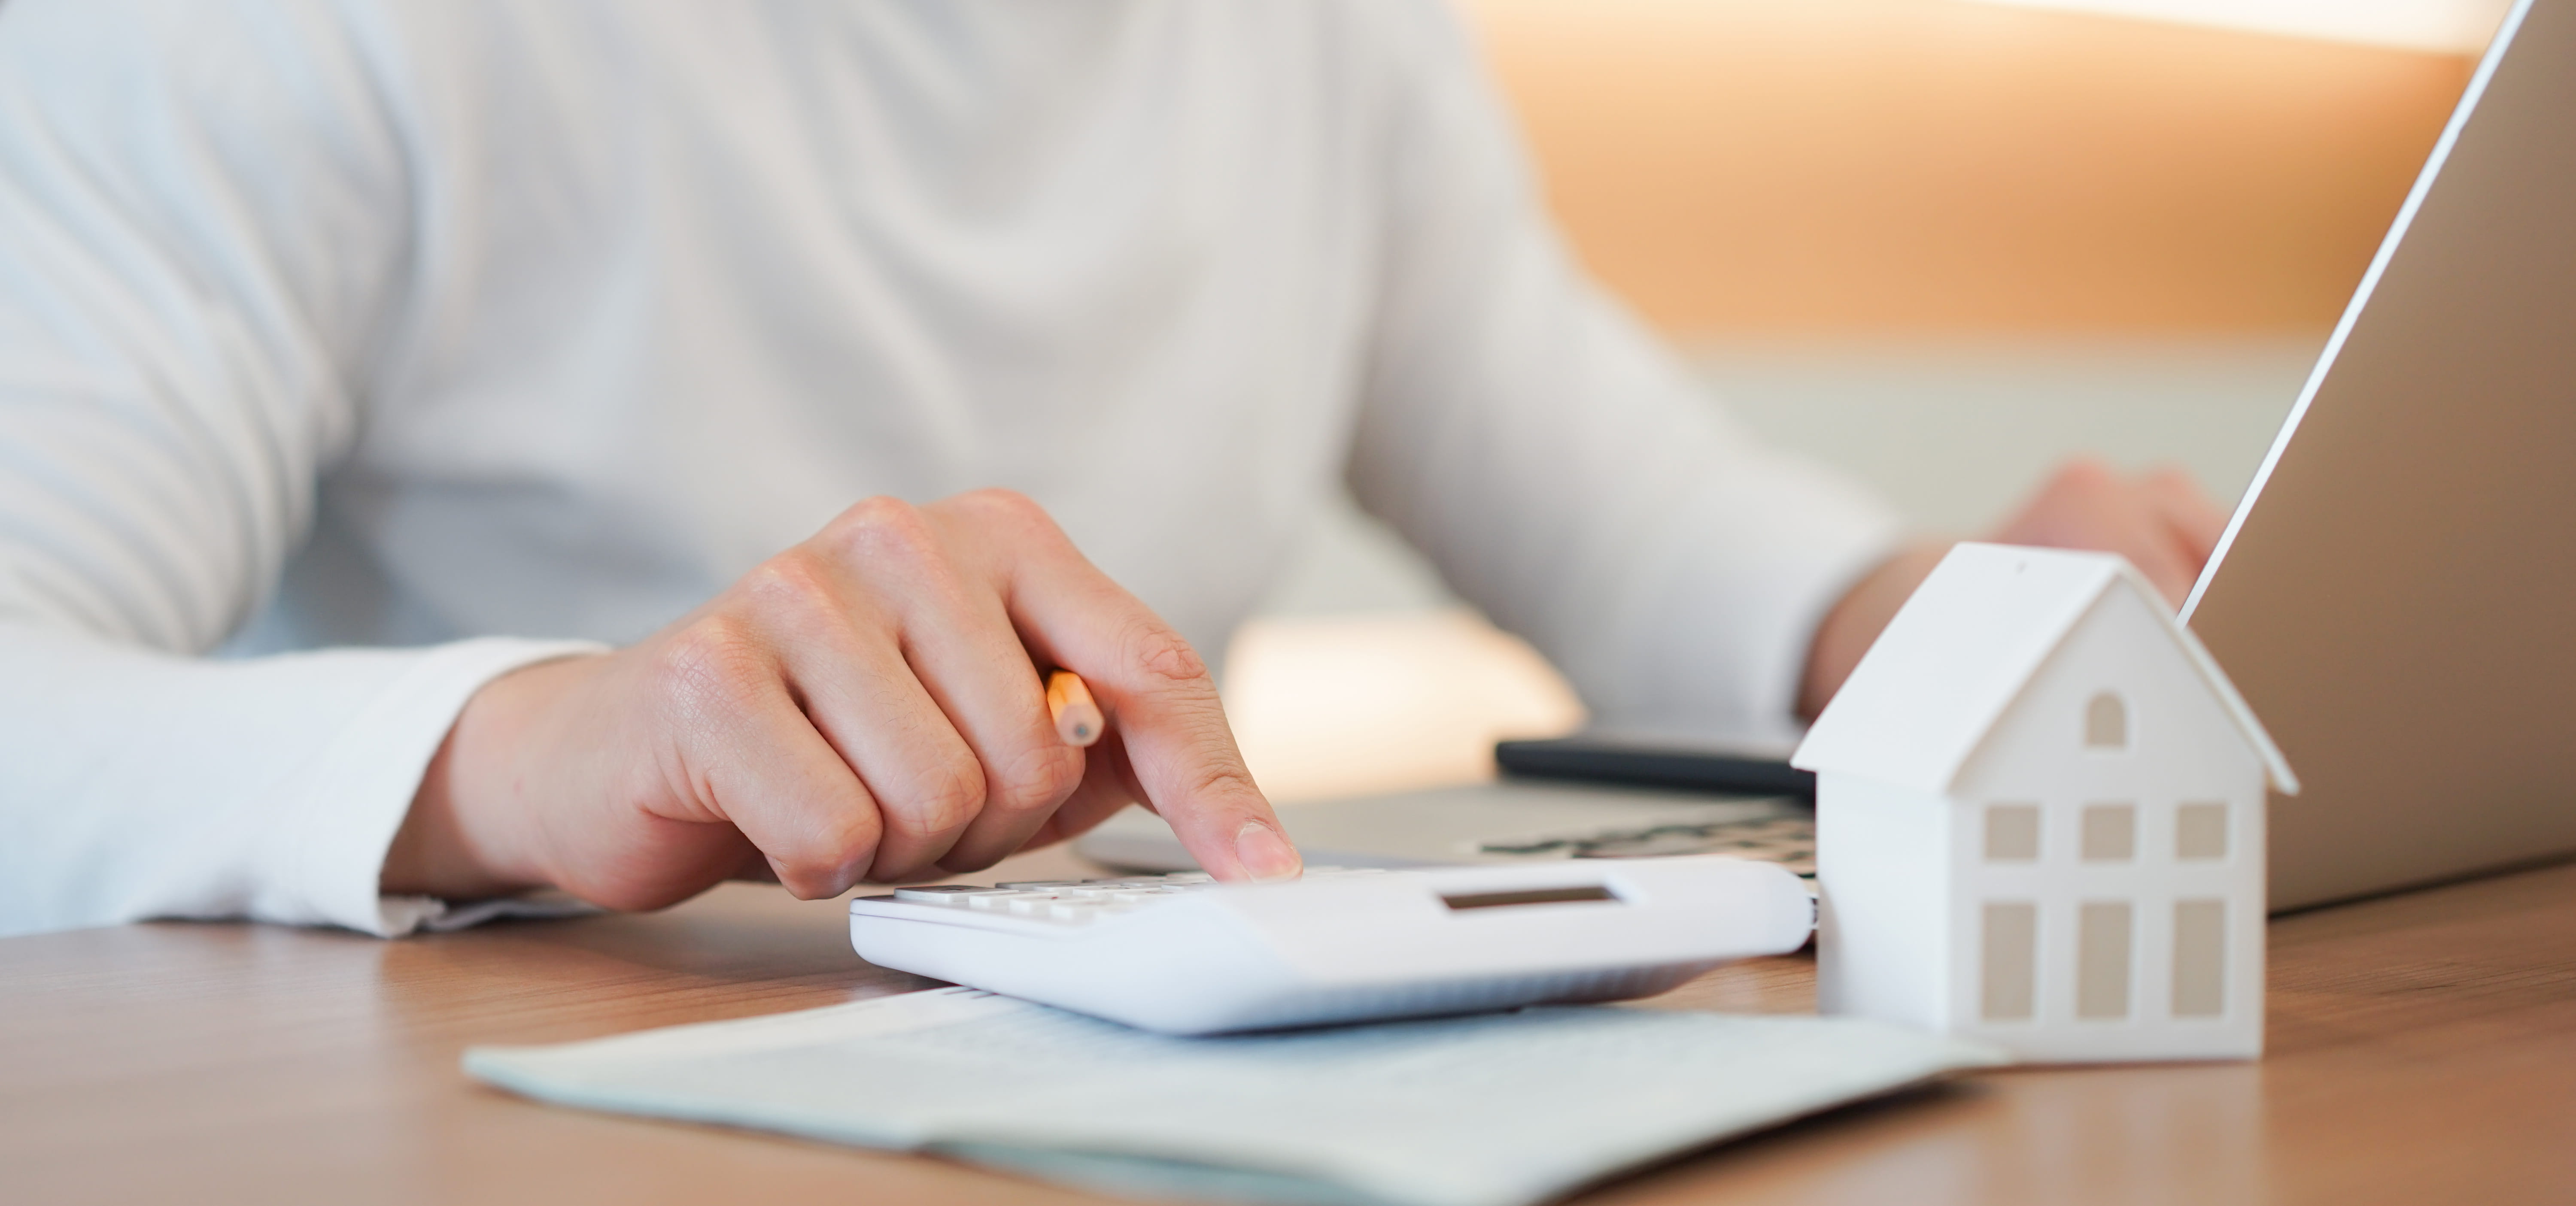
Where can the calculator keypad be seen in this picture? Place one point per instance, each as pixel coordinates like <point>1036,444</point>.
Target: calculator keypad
<point>1077,901</point>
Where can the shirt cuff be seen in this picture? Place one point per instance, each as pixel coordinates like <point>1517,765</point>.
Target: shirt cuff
<point>351,800</point>
<point>428,914</point>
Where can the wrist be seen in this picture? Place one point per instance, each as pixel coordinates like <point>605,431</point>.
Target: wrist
<point>469,833</point>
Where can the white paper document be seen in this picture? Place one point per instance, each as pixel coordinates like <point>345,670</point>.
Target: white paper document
<point>1489,1110</point>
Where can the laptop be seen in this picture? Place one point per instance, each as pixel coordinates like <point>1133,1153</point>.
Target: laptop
<point>2395,595</point>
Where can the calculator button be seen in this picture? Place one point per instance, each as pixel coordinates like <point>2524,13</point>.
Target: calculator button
<point>942,894</point>
<point>1002,901</point>
<point>1038,885</point>
<point>1183,879</point>
<point>1072,910</point>
<point>1142,895</point>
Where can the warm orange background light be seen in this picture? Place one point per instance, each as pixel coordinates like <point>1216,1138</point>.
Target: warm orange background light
<point>1801,167</point>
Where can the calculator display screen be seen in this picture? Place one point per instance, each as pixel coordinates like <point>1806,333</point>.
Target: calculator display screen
<point>1527,896</point>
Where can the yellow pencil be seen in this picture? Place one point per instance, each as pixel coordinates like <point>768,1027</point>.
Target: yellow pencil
<point>1077,718</point>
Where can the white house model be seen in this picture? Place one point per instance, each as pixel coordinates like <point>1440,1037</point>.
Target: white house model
<point>2039,816</point>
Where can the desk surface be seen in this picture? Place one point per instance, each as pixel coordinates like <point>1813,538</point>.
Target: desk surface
<point>2423,1048</point>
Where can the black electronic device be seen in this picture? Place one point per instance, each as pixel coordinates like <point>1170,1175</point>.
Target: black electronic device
<point>1673,768</point>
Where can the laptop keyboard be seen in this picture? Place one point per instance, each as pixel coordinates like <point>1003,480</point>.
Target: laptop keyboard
<point>1788,841</point>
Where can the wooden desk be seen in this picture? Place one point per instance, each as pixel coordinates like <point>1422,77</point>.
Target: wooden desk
<point>2423,1049</point>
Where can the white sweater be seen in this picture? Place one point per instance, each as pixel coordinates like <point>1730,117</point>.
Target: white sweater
<point>427,337</point>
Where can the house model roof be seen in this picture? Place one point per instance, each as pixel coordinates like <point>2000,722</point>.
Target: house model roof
<point>1961,650</point>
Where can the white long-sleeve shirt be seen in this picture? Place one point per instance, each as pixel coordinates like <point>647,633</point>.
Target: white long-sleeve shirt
<point>422,338</point>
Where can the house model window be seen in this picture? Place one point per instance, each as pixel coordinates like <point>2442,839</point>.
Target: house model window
<point>2012,833</point>
<point>2039,820</point>
<point>2110,833</point>
<point>2106,722</point>
<point>2200,831</point>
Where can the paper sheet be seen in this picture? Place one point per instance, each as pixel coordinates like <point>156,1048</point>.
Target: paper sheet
<point>1489,1110</point>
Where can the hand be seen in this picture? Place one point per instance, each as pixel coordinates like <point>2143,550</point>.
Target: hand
<point>2159,520</point>
<point>865,706</point>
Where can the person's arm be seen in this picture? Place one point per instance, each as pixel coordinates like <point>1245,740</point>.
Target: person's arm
<point>1567,475</point>
<point>201,228</point>
<point>206,248</point>
<point>1557,464</point>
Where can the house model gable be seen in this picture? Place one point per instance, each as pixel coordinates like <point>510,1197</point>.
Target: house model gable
<point>1926,696</point>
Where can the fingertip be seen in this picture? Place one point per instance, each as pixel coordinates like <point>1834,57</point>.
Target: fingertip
<point>1265,853</point>
<point>810,884</point>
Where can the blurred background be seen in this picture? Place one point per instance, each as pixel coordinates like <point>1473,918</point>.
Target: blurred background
<point>1939,243</point>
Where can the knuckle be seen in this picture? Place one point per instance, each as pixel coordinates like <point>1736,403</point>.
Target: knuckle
<point>885,529</point>
<point>714,663</point>
<point>1221,782</point>
<point>1007,515</point>
<point>942,799</point>
<point>792,581</point>
<point>1166,658</point>
<point>876,510</point>
<point>994,502</point>
<point>1037,781</point>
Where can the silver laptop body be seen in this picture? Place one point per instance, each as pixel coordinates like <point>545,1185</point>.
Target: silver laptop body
<point>2396,596</point>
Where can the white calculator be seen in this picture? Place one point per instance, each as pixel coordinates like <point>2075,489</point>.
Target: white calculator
<point>1182,954</point>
